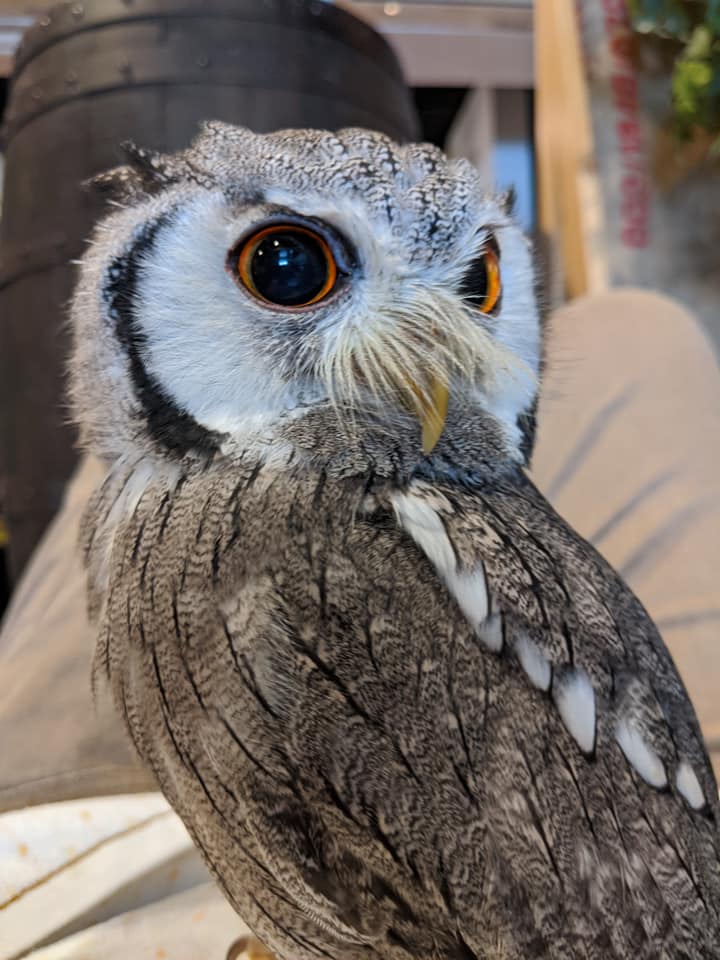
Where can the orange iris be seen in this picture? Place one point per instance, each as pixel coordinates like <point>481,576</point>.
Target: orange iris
<point>287,265</point>
<point>494,286</point>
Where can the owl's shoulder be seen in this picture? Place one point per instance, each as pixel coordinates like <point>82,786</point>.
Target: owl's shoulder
<point>536,592</point>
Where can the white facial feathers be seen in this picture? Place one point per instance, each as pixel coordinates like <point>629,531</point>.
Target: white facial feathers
<point>416,223</point>
<point>200,342</point>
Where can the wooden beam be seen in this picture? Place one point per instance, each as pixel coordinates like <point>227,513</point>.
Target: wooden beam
<point>457,44</point>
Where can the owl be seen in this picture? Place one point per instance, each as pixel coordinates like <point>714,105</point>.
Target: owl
<point>402,708</point>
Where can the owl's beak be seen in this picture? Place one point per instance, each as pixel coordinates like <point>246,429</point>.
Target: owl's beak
<point>431,406</point>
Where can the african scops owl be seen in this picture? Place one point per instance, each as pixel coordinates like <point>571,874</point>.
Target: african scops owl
<point>403,709</point>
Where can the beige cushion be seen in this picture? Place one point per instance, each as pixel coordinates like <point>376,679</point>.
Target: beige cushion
<point>629,453</point>
<point>54,744</point>
<point>628,450</point>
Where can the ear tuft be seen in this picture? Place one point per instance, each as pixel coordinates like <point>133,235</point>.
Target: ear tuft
<point>508,201</point>
<point>147,172</point>
<point>156,170</point>
<point>120,184</point>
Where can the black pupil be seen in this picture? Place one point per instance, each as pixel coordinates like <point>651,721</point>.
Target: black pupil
<point>289,268</point>
<point>474,287</point>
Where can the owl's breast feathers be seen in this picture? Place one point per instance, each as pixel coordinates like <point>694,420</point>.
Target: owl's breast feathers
<point>410,722</point>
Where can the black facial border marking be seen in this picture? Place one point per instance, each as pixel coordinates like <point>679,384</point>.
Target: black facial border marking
<point>173,429</point>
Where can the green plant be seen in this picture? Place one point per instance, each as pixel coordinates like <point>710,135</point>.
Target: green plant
<point>690,29</point>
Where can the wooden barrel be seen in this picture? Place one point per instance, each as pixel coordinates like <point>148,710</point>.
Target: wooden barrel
<point>93,73</point>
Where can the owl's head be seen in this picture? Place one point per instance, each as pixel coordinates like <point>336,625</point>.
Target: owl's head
<point>254,282</point>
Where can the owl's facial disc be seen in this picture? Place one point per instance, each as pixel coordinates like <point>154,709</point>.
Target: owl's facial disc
<point>406,355</point>
<point>293,265</point>
<point>252,278</point>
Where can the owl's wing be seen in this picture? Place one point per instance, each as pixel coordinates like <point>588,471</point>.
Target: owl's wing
<point>638,790</point>
<point>534,590</point>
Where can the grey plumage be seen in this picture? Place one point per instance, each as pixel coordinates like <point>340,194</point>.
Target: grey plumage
<point>402,708</point>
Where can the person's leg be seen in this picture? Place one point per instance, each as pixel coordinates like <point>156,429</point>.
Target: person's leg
<point>56,743</point>
<point>629,453</point>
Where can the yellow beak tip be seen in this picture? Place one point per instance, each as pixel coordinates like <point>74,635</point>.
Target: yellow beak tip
<point>430,436</point>
<point>433,415</point>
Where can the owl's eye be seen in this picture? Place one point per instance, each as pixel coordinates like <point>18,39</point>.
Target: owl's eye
<point>287,265</point>
<point>481,286</point>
